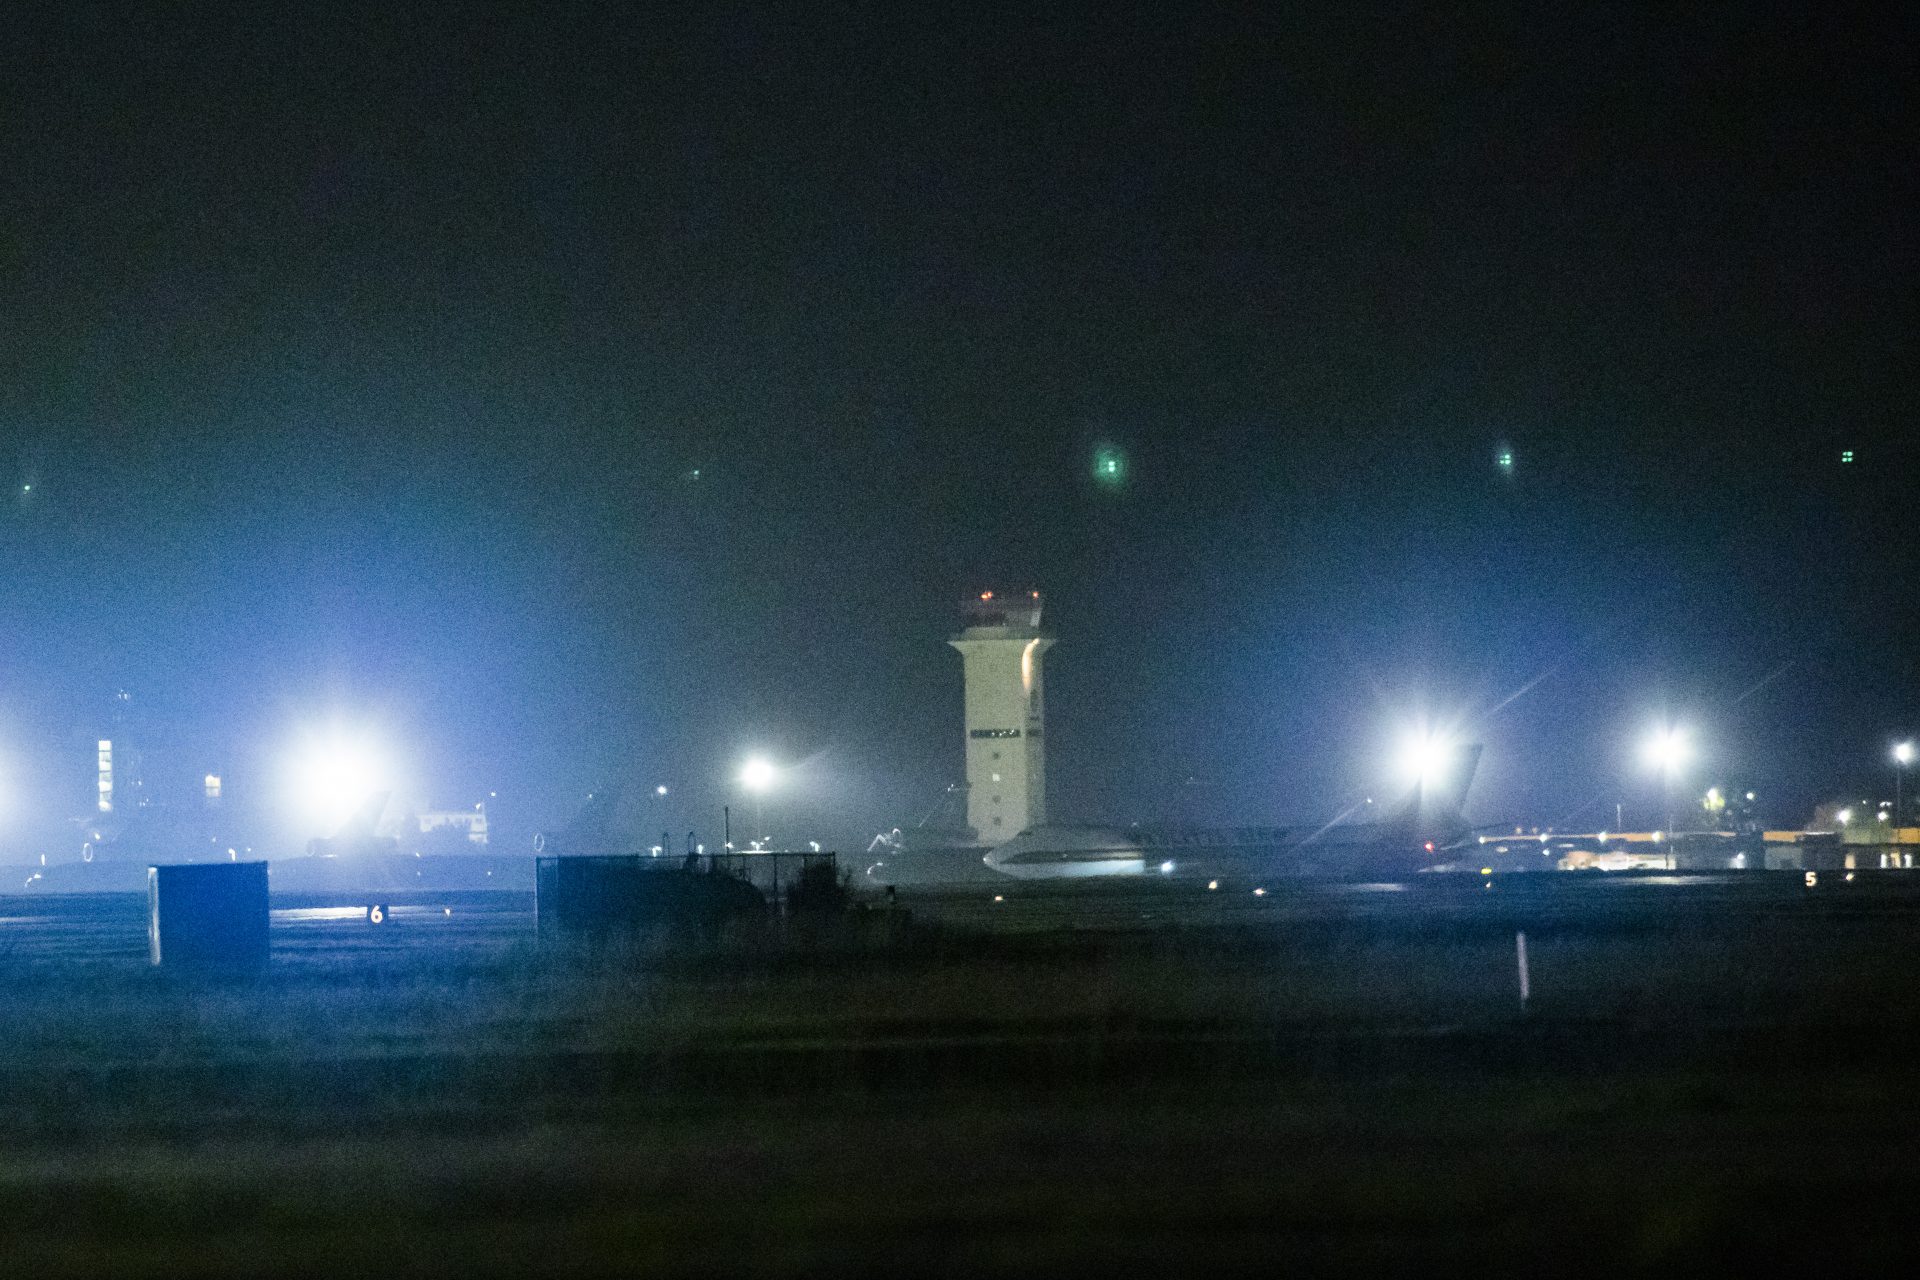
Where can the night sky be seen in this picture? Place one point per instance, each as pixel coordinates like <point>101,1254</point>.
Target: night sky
<point>361,364</point>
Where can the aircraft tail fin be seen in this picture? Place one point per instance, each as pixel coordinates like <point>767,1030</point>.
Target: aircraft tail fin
<point>365,819</point>
<point>1447,792</point>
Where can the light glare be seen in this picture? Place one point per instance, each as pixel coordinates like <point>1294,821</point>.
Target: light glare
<point>334,773</point>
<point>1423,757</point>
<point>1667,750</point>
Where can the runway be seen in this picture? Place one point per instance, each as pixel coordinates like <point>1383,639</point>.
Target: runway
<point>111,928</point>
<point>1596,901</point>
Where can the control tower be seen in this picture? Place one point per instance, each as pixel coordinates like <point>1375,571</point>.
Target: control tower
<point>1002,645</point>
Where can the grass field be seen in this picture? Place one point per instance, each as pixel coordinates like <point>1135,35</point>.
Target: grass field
<point>1696,1085</point>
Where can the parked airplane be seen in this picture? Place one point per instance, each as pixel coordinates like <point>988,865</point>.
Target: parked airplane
<point>356,837</point>
<point>1426,831</point>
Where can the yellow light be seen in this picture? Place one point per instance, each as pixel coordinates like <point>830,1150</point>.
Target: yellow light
<point>998,898</point>
<point>1486,871</point>
<point>1213,884</point>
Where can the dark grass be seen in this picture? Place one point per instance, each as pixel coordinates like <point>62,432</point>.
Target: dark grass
<point>1712,1091</point>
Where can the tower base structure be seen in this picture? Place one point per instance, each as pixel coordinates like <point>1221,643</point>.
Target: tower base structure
<point>1002,646</point>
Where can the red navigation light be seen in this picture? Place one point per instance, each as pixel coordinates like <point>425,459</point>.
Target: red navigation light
<point>1429,846</point>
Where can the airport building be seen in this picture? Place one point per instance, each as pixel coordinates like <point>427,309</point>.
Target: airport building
<point>1002,647</point>
<point>470,824</point>
<point>118,782</point>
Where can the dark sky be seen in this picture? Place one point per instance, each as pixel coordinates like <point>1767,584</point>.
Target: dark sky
<point>360,362</point>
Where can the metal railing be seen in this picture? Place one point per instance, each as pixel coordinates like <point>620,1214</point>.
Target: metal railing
<point>770,870</point>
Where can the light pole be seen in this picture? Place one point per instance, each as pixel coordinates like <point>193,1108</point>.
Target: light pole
<point>1902,757</point>
<point>659,795</point>
<point>758,776</point>
<point>1668,751</point>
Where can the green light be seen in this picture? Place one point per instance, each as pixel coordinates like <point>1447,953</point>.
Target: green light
<point>1109,466</point>
<point>1846,455</point>
<point>1505,460</point>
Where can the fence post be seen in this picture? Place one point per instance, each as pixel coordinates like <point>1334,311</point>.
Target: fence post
<point>1520,959</point>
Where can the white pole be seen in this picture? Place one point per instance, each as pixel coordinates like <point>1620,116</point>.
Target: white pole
<point>1520,957</point>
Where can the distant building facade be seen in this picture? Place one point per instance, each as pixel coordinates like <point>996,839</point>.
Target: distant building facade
<point>471,823</point>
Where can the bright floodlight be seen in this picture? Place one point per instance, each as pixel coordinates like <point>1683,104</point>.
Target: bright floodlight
<point>1903,753</point>
<point>757,775</point>
<point>1423,757</point>
<point>333,774</point>
<point>1667,750</point>
<point>660,790</point>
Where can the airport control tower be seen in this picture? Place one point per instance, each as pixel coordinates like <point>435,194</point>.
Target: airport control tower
<point>1002,646</point>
